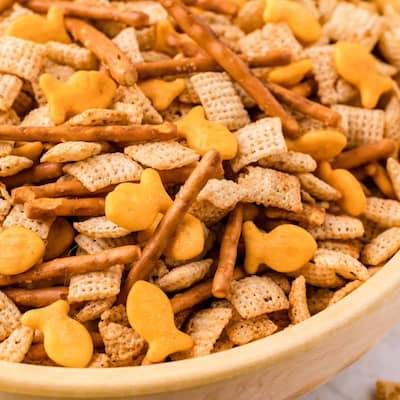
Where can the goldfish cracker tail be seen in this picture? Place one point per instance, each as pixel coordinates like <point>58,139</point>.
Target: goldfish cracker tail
<point>55,16</point>
<point>151,180</point>
<point>254,252</point>
<point>53,91</point>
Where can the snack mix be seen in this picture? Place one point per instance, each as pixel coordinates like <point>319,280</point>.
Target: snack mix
<point>180,177</point>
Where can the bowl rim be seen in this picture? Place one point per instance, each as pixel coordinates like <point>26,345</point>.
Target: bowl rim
<point>187,374</point>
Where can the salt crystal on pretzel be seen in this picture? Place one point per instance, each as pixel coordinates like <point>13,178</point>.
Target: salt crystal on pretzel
<point>99,360</point>
<point>99,117</point>
<point>162,155</point>
<point>10,87</point>
<point>220,100</point>
<point>392,119</point>
<point>11,165</point>
<point>309,216</point>
<point>290,161</point>
<point>249,17</point>
<point>298,309</point>
<point>344,291</point>
<point>93,309</point>
<point>71,151</point>
<point>318,188</point>
<point>384,212</point>
<point>100,227</point>
<point>38,117</point>
<point>340,227</point>
<point>106,169</point>
<point>271,188</point>
<point>363,126</point>
<point>127,42</point>
<point>318,299</point>
<point>382,247</point>
<point>9,316</point>
<point>350,247</point>
<point>184,276</point>
<point>364,27</point>
<point>15,347</point>
<point>258,140</point>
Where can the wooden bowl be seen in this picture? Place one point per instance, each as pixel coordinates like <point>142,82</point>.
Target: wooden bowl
<point>282,366</point>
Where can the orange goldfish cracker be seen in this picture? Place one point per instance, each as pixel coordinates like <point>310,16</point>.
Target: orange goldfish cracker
<point>150,314</point>
<point>381,179</point>
<point>353,199</point>
<point>356,65</point>
<point>162,93</point>
<point>203,135</point>
<point>278,249</point>
<point>291,74</point>
<point>319,144</point>
<point>61,332</point>
<point>21,249</point>
<point>29,150</point>
<point>134,206</point>
<point>300,19</point>
<point>82,91</point>
<point>39,29</point>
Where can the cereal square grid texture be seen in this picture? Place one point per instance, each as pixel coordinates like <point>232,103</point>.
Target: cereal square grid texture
<point>298,309</point>
<point>127,43</point>
<point>392,119</point>
<point>5,202</point>
<point>100,117</point>
<point>382,247</point>
<point>100,227</point>
<point>71,151</point>
<point>11,165</point>
<point>220,100</point>
<point>9,316</point>
<point>14,348</point>
<point>258,140</point>
<point>38,117</point>
<point>341,227</point>
<point>290,161</point>
<point>103,170</point>
<point>383,212</point>
<point>350,247</point>
<point>10,86</point>
<point>93,309</point>
<point>318,188</point>
<point>134,112</point>
<point>93,245</point>
<point>389,45</point>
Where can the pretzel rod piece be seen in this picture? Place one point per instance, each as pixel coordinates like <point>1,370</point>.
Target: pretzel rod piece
<point>137,19</point>
<point>38,173</point>
<point>304,105</point>
<point>228,254</point>
<point>5,4</point>
<point>112,133</point>
<point>62,207</point>
<point>66,266</point>
<point>230,62</point>
<point>119,65</point>
<point>222,7</point>
<point>156,245</point>
<point>37,297</point>
<point>304,89</point>
<point>206,64</point>
<point>365,154</point>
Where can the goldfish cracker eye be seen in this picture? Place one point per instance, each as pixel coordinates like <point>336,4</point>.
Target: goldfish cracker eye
<point>356,65</point>
<point>162,93</point>
<point>20,248</point>
<point>150,314</point>
<point>290,74</point>
<point>40,29</point>
<point>301,21</point>
<point>319,144</point>
<point>203,135</point>
<point>82,91</point>
<point>285,249</point>
<point>66,341</point>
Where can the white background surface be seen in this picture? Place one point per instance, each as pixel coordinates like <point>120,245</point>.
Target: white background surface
<point>358,381</point>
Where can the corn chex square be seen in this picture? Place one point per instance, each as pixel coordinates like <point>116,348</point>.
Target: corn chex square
<point>100,227</point>
<point>127,43</point>
<point>15,347</point>
<point>9,316</point>
<point>71,151</point>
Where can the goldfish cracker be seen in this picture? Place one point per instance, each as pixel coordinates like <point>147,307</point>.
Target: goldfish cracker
<point>302,22</point>
<point>135,206</point>
<point>151,316</point>
<point>322,145</point>
<point>203,135</point>
<point>83,90</point>
<point>21,249</point>
<point>60,238</point>
<point>66,341</point>
<point>144,235</point>
<point>162,93</point>
<point>353,200</point>
<point>285,249</point>
<point>40,29</point>
<point>356,65</point>
<point>31,150</point>
<point>290,74</point>
<point>381,179</point>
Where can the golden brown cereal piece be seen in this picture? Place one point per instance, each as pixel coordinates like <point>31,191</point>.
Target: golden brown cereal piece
<point>15,347</point>
<point>350,247</point>
<point>99,360</point>
<point>6,147</point>
<point>258,140</point>
<point>290,161</point>
<point>93,309</point>
<point>298,309</point>
<point>254,296</point>
<point>318,299</point>
<point>100,227</point>
<point>372,229</point>
<point>133,112</point>
<point>280,279</point>
<point>5,202</point>
<point>100,171</point>
<point>207,212</point>
<point>9,316</point>
<point>393,169</point>
<point>384,212</point>
<point>382,247</point>
<point>271,188</point>
<point>392,118</point>
<point>127,42</point>
<point>152,9</point>
<point>162,155</point>
<point>10,87</point>
<point>344,291</point>
<point>318,274</point>
<point>99,117</point>
<point>340,227</point>
<point>309,216</point>
<point>223,343</point>
<point>387,390</point>
<point>11,165</point>
<point>71,151</point>
<point>184,276</point>
<point>318,188</point>
<point>93,245</point>
<point>38,117</point>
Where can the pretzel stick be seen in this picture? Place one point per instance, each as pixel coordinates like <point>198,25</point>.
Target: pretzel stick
<point>229,61</point>
<point>137,19</point>
<point>157,244</point>
<point>66,266</point>
<point>65,133</point>
<point>304,89</point>
<point>198,293</point>
<point>305,106</point>
<point>228,254</point>
<point>221,7</point>
<point>119,65</point>
<point>38,173</point>
<point>314,216</point>
<point>5,4</point>
<point>206,64</point>
<point>33,298</point>
<point>381,179</point>
<point>61,207</point>
<point>364,154</point>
